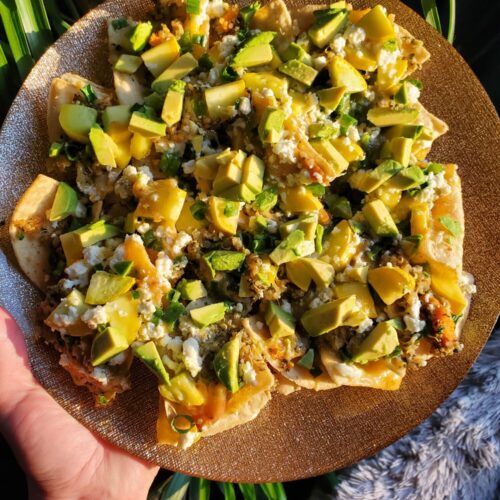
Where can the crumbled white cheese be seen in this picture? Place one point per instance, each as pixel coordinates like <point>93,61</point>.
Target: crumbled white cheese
<point>181,241</point>
<point>353,134</point>
<point>118,359</point>
<point>319,62</point>
<point>286,149</point>
<point>369,94</point>
<point>191,353</point>
<point>286,306</point>
<point>164,267</point>
<point>267,92</point>
<point>412,320</point>
<point>355,35</point>
<point>146,309</point>
<point>81,210</point>
<point>338,45</point>
<point>245,106</point>
<point>79,272</point>
<point>365,325</point>
<point>150,331</point>
<point>413,93</point>
<point>62,320</point>
<point>101,374</point>
<point>248,373</point>
<point>95,316</point>
<point>386,57</point>
<point>215,9</point>
<point>436,186</point>
<point>188,167</point>
<point>143,227</point>
<point>118,255</point>
<point>227,45</point>
<point>466,283</point>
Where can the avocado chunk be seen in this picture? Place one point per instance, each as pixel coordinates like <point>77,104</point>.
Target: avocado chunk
<point>206,315</point>
<point>266,200</point>
<point>76,301</point>
<point>292,247</point>
<point>107,344</point>
<point>380,219</point>
<point>344,74</point>
<point>402,96</point>
<point>327,25</point>
<point>322,131</point>
<point>400,148</point>
<point>192,289</point>
<point>251,56</point>
<point>127,64</point>
<point>115,120</point>
<point>159,58</point>
<point>339,206</point>
<point>262,38</point>
<point>328,151</point>
<point>140,35</point>
<point>371,180</point>
<point>271,125</point>
<point>408,131</point>
<point>306,223</point>
<point>380,342</point>
<point>408,178</point>
<point>176,71</point>
<point>330,98</point>
<point>142,124</point>
<point>149,355</point>
<point>174,102</point>
<point>296,51</point>
<point>223,260</point>
<point>280,323</point>
<point>302,271</point>
<point>105,287</point>
<point>226,364</point>
<point>362,293</point>
<point>74,242</point>
<point>103,146</point>
<point>76,120</point>
<point>299,71</point>
<point>221,99</point>
<point>388,117</point>
<point>65,202</point>
<point>390,283</point>
<point>182,389</point>
<point>329,316</point>
<point>253,175</point>
<point>230,171</point>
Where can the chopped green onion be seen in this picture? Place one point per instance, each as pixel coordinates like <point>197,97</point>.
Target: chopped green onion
<point>391,45</point>
<point>157,316</point>
<point>102,399</point>
<point>247,13</point>
<point>396,323</point>
<point>198,209</point>
<point>182,423</point>
<point>316,189</point>
<point>193,6</point>
<point>124,267</point>
<point>346,121</point>
<point>55,149</point>
<point>199,107</point>
<point>415,83</point>
<point>170,164</point>
<point>88,93</point>
<point>198,39</point>
<point>205,63</point>
<point>173,295</point>
<point>136,294</point>
<point>394,354</point>
<point>229,74</point>
<point>174,311</point>
<point>452,226</point>
<point>119,24</point>
<point>185,42</point>
<point>456,318</point>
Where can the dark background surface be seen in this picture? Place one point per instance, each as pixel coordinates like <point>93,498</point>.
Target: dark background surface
<point>478,40</point>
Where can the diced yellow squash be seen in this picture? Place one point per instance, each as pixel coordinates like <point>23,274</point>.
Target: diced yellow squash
<point>122,152</point>
<point>359,274</point>
<point>220,99</point>
<point>186,222</point>
<point>266,80</point>
<point>389,197</point>
<point>356,15</point>
<point>340,246</point>
<point>362,293</point>
<point>299,199</point>
<point>183,389</point>
<point>123,315</point>
<point>205,169</point>
<point>140,146</point>
<point>162,200</point>
<point>330,98</point>
<point>344,74</point>
<point>419,221</point>
<point>296,272</point>
<point>159,58</point>
<point>377,25</point>
<point>136,252</point>
<point>349,149</point>
<point>390,75</point>
<point>328,151</point>
<point>360,59</point>
<point>444,282</point>
<point>391,283</point>
<point>224,214</point>
<point>172,107</point>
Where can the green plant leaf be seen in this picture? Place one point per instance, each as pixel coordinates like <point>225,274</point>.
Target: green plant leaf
<point>452,21</point>
<point>431,14</point>
<point>229,493</point>
<point>56,19</point>
<point>273,491</point>
<point>36,25</point>
<point>199,489</point>
<point>248,491</point>
<point>176,487</point>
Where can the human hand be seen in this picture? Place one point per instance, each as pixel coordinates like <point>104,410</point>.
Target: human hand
<point>62,459</point>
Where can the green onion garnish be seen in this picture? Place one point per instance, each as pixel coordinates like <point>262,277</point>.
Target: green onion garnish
<point>248,12</point>
<point>135,294</point>
<point>266,200</point>
<point>182,423</point>
<point>229,74</point>
<point>205,63</point>
<point>174,311</point>
<point>170,164</point>
<point>173,295</point>
<point>89,93</point>
<point>55,149</point>
<point>198,209</point>
<point>123,268</point>
<point>316,189</point>
<point>193,6</point>
<point>346,121</point>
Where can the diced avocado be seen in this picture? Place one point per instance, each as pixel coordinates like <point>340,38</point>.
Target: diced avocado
<point>401,149</point>
<point>359,274</point>
<point>262,38</point>
<point>140,146</point>
<point>390,283</point>
<point>223,260</point>
<point>295,51</point>
<point>257,55</point>
<point>103,146</point>
<point>292,247</point>
<point>296,272</point>
<point>327,26</point>
<point>280,323</point>
<point>127,64</point>
<point>141,124</point>
<point>174,101</point>
<point>253,174</point>
<point>408,178</point>
<point>105,287</point>
<point>402,96</point>
<point>388,117</point>
<point>224,214</point>
<point>74,242</point>
<point>65,202</point>
<point>229,174</point>
<point>77,120</point>
<point>76,301</point>
<point>326,149</point>
<point>266,200</point>
<point>182,389</point>
<point>192,289</point>
<point>322,131</point>
<point>176,71</point>
<point>330,98</point>
<point>339,206</point>
<point>380,219</point>
<point>220,100</point>
<point>149,355</point>
<point>271,125</point>
<point>381,341</point>
<point>306,223</point>
<point>307,361</point>
<point>344,74</point>
<point>115,120</point>
<point>299,71</point>
<point>206,315</point>
<point>328,316</point>
<point>264,80</point>
<point>377,25</point>
<point>159,58</point>
<point>362,293</point>
<point>340,245</point>
<point>226,364</point>
<point>107,344</point>
<point>408,131</point>
<point>140,35</point>
<point>370,180</point>
<point>320,271</point>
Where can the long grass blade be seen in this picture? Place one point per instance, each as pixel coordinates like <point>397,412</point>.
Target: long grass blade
<point>16,37</point>
<point>59,25</point>
<point>431,14</point>
<point>229,493</point>
<point>4,87</point>
<point>72,10</point>
<point>176,487</point>
<point>199,489</point>
<point>35,24</point>
<point>248,491</point>
<point>274,491</point>
<point>452,21</point>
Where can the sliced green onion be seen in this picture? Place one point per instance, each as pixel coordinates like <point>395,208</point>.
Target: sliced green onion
<point>229,74</point>
<point>55,149</point>
<point>36,25</point>
<point>198,39</point>
<point>205,63</point>
<point>136,294</point>
<point>173,295</point>
<point>170,163</point>
<point>179,423</point>
<point>316,189</point>
<point>198,209</point>
<point>247,13</point>
<point>346,121</point>
<point>124,267</point>
<point>193,6</point>
<point>174,311</point>
<point>88,93</point>
<point>431,14</point>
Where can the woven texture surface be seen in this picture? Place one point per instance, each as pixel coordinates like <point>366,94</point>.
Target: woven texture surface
<point>307,433</point>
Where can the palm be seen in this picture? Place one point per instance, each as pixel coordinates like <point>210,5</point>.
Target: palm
<point>59,453</point>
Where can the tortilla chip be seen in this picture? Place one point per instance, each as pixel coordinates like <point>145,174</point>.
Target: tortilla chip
<point>28,219</point>
<point>274,16</point>
<point>413,51</point>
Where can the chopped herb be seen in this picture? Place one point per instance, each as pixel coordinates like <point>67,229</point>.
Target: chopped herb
<point>260,243</point>
<point>182,424</point>
<point>119,24</point>
<point>198,39</point>
<point>205,63</point>
<point>266,200</point>
<point>174,311</point>
<point>102,400</point>
<point>135,294</point>
<point>247,13</point>
<point>440,330</point>
<point>452,226</point>
<point>231,209</point>
<point>20,234</point>
<point>307,360</point>
<point>185,42</point>
<point>391,45</point>
<point>124,267</point>
<point>193,6</point>
<point>55,149</point>
<point>456,317</point>
<point>316,189</point>
<point>198,209</point>
<point>88,93</point>
<point>157,316</point>
<point>199,108</point>
<point>150,240</point>
<point>173,295</point>
<point>170,163</point>
<point>229,74</point>
<point>374,252</point>
<point>346,121</point>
